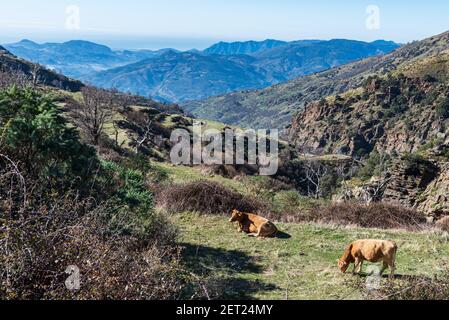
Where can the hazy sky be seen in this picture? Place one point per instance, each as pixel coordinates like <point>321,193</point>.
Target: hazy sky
<point>185,24</point>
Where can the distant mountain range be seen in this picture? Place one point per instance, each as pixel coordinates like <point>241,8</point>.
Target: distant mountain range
<point>184,76</point>
<point>248,47</point>
<point>77,58</point>
<point>173,76</point>
<point>274,106</point>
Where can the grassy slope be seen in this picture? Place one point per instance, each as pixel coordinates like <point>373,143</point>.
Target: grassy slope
<point>301,267</point>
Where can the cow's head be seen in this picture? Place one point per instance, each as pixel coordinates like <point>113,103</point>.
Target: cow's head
<point>343,265</point>
<point>236,216</point>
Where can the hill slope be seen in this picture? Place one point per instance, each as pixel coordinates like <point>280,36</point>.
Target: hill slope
<point>274,107</point>
<point>11,64</point>
<point>398,112</point>
<point>397,119</point>
<point>182,76</point>
<point>179,77</point>
<point>248,47</point>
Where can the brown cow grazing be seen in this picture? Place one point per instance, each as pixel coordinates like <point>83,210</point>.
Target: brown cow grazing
<point>372,251</point>
<point>253,224</point>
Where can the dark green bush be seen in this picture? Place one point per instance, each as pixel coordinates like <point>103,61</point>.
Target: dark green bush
<point>38,138</point>
<point>442,109</point>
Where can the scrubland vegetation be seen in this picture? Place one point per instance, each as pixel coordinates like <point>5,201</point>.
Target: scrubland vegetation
<point>140,229</point>
<point>85,181</point>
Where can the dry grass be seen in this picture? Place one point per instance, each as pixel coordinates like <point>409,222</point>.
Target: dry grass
<point>410,288</point>
<point>443,224</point>
<point>377,215</point>
<point>206,197</point>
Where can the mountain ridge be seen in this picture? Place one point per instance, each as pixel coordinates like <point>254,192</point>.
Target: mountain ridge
<point>194,76</point>
<point>76,58</point>
<point>270,62</point>
<point>274,107</point>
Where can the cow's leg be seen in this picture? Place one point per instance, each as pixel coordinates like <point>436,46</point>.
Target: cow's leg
<point>384,267</point>
<point>393,269</point>
<point>356,265</point>
<point>260,235</point>
<point>360,266</point>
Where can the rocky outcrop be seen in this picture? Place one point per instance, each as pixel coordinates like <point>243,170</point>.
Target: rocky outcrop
<point>409,179</point>
<point>395,115</point>
<point>435,199</point>
<point>369,192</point>
<point>419,182</point>
<point>403,114</point>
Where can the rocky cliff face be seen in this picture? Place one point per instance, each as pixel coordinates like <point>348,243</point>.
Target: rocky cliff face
<point>409,179</point>
<point>398,114</point>
<point>419,181</point>
<point>403,113</point>
<point>435,199</point>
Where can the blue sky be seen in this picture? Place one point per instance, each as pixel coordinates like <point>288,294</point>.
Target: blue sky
<point>186,24</point>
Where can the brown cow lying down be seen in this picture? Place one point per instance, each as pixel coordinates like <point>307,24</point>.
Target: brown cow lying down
<point>253,224</point>
<point>372,251</point>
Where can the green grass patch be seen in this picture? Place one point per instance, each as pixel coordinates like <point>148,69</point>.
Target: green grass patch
<point>301,267</point>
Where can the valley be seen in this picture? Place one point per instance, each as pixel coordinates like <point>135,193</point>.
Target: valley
<point>86,175</point>
<point>172,76</point>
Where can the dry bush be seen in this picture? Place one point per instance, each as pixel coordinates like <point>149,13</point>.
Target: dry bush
<point>411,288</point>
<point>377,215</point>
<point>443,224</point>
<point>116,269</point>
<point>206,197</point>
<point>41,235</point>
<point>39,246</point>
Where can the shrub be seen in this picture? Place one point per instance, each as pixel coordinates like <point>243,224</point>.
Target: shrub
<point>430,98</point>
<point>38,138</point>
<point>377,215</point>
<point>40,248</point>
<point>442,109</point>
<point>206,197</point>
<point>128,206</point>
<point>375,165</point>
<point>411,288</point>
<point>122,249</point>
<point>59,207</point>
<point>443,224</point>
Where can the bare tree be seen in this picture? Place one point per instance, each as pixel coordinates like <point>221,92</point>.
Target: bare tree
<point>10,77</point>
<point>315,172</point>
<point>374,192</point>
<point>35,75</point>
<point>96,110</point>
<point>147,135</point>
